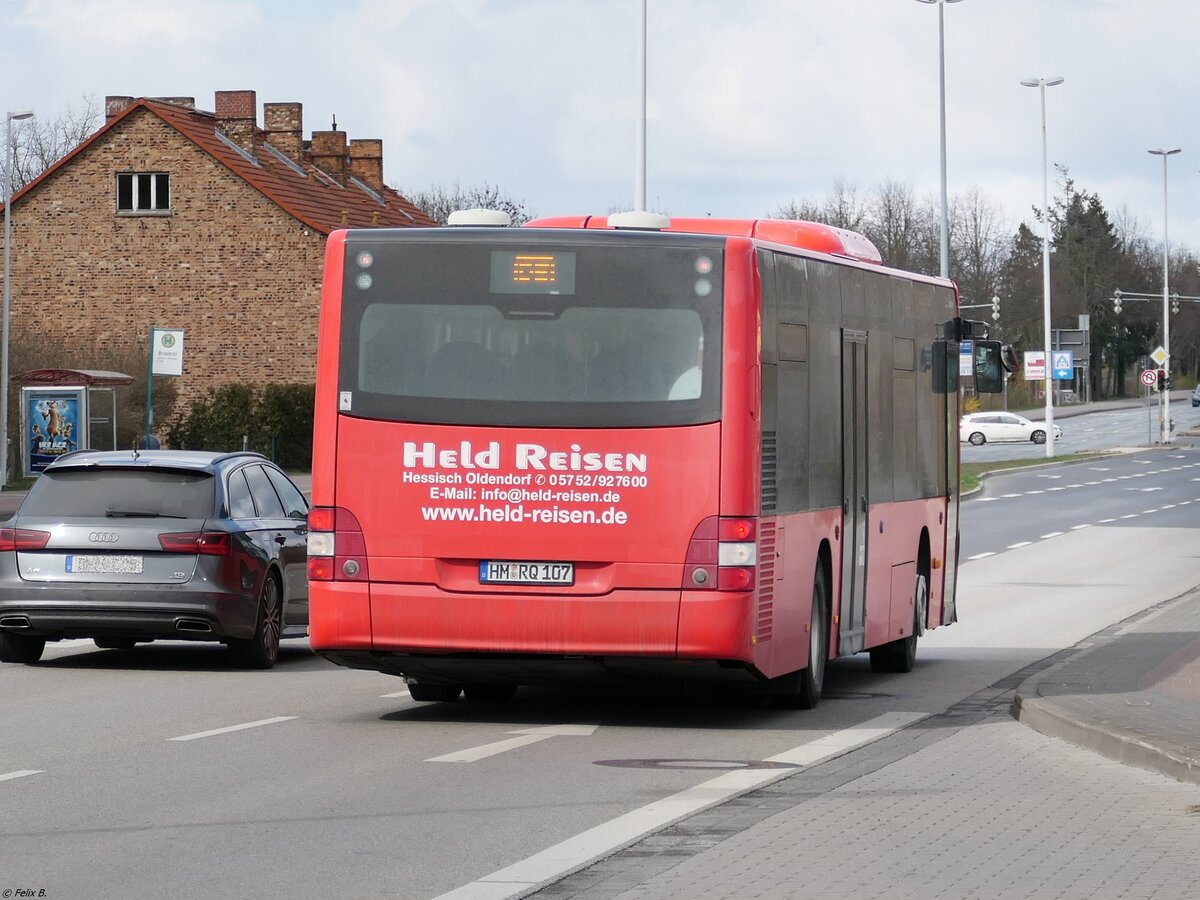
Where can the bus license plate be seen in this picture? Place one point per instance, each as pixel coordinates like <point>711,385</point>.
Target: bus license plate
<point>493,571</point>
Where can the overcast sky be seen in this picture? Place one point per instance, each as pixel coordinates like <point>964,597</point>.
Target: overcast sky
<point>751,103</point>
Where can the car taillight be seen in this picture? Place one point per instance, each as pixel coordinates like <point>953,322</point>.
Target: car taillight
<point>722,555</point>
<point>23,539</point>
<point>337,550</point>
<point>206,543</point>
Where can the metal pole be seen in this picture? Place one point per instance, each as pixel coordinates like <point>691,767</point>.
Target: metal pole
<point>944,264</point>
<point>9,165</point>
<point>1166,395</point>
<point>1049,415</point>
<point>4,327</point>
<point>639,175</point>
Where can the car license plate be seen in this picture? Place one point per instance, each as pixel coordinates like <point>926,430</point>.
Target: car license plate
<point>492,571</point>
<point>105,565</point>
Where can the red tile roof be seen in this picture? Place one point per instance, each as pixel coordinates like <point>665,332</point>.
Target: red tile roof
<point>301,189</point>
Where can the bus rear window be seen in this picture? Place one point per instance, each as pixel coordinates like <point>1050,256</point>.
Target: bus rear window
<point>588,335</point>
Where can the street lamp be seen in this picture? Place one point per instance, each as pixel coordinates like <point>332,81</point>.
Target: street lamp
<point>9,165</point>
<point>945,225</point>
<point>1041,84</point>
<point>1166,394</point>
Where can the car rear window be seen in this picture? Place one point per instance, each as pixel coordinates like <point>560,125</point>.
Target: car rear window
<point>121,492</point>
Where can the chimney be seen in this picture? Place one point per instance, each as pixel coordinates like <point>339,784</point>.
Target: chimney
<point>236,117</point>
<point>114,106</point>
<point>329,153</point>
<point>366,162</point>
<point>284,126</point>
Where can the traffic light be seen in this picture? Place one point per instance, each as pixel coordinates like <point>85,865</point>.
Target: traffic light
<point>1164,381</point>
<point>995,309</point>
<point>1117,302</point>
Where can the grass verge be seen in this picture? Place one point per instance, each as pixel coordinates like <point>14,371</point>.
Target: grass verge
<point>971,474</point>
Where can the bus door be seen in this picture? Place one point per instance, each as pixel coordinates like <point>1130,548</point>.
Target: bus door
<point>852,630</point>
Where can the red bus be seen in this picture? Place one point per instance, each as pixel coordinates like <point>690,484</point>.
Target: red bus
<point>697,448</point>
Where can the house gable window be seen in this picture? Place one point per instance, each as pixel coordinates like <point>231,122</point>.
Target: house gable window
<point>143,193</point>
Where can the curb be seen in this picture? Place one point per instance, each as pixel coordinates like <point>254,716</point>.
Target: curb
<point>1097,733</point>
<point>1112,741</point>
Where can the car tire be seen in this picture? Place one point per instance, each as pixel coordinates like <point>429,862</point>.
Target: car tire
<point>977,438</point>
<point>1038,437</point>
<point>901,655</point>
<point>803,689</point>
<point>21,648</point>
<point>262,650</point>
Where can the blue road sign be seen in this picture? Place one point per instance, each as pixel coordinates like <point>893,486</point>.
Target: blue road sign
<point>1063,363</point>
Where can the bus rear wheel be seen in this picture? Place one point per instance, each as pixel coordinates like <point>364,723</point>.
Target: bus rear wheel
<point>802,690</point>
<point>901,655</point>
<point>489,693</point>
<point>434,693</point>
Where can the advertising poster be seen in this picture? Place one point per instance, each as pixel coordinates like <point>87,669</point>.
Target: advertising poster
<point>54,420</point>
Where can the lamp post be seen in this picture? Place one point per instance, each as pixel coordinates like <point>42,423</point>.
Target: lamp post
<point>1165,401</point>
<point>9,165</point>
<point>945,223</point>
<point>1041,84</point>
<point>639,171</point>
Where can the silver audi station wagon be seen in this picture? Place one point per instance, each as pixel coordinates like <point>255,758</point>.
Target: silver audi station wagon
<point>130,546</point>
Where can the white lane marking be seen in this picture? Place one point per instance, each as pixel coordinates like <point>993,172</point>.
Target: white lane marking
<point>1086,525</point>
<point>1053,489</point>
<point>20,773</point>
<point>1144,490</point>
<point>391,696</point>
<point>1051,534</point>
<point>1035,492</point>
<point>1169,506</point>
<point>1130,516</point>
<point>1019,545</point>
<point>608,837</point>
<point>1018,495</point>
<point>1106,521</point>
<point>981,555</point>
<point>527,736</point>
<point>987,499</point>
<point>242,727</point>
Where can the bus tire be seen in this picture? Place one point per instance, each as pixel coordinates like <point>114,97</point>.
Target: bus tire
<point>901,655</point>
<point>434,693</point>
<point>489,693</point>
<point>802,690</point>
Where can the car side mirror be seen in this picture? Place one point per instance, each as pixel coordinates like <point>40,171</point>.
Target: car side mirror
<point>988,368</point>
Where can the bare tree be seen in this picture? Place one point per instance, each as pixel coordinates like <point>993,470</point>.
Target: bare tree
<point>40,143</point>
<point>981,244</point>
<point>439,201</point>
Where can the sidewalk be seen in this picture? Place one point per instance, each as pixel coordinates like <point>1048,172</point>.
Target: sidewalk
<point>1130,692</point>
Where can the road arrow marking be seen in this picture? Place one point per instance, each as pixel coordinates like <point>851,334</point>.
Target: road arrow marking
<point>21,773</point>
<point>527,736</point>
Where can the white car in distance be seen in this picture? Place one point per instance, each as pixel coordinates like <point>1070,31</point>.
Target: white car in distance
<point>987,427</point>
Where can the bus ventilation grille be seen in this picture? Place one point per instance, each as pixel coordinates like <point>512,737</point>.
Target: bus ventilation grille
<point>766,581</point>
<point>768,471</point>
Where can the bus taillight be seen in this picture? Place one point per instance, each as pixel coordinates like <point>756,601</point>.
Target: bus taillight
<point>337,550</point>
<point>722,555</point>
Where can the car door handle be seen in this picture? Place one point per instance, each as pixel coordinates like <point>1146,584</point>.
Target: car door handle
<point>280,539</point>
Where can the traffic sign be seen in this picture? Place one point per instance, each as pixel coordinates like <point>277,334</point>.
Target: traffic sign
<point>1063,363</point>
<point>1150,377</point>
<point>1159,356</point>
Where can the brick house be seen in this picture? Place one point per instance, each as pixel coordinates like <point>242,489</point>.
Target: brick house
<point>174,217</point>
